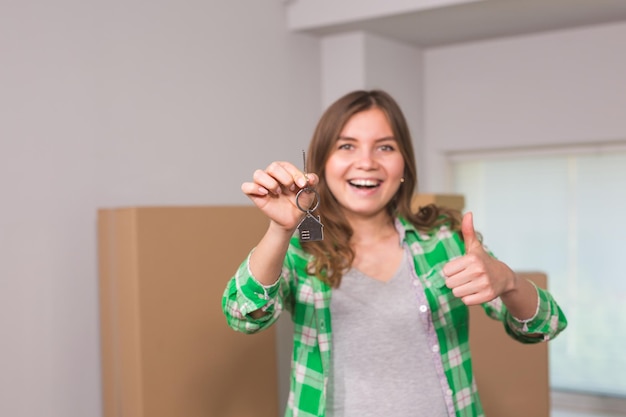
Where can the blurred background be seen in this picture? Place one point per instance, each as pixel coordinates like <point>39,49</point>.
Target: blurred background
<point>520,105</point>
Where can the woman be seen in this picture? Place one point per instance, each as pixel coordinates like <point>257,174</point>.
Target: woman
<point>396,284</point>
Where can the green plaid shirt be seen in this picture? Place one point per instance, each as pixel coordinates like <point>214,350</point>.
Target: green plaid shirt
<point>308,300</point>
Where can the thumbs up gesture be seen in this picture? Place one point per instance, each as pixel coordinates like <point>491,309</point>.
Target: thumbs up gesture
<point>477,277</point>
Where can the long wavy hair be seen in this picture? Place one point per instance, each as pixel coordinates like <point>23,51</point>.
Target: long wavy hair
<point>333,256</point>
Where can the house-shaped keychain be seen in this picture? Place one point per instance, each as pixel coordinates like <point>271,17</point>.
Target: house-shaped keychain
<point>311,228</point>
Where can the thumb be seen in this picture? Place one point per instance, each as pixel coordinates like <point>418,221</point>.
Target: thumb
<point>469,233</point>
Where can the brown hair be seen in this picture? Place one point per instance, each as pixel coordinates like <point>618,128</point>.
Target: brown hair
<point>333,255</point>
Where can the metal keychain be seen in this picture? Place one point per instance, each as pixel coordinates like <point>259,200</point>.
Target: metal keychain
<point>310,228</point>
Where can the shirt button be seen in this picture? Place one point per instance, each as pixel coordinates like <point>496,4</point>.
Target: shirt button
<point>435,348</point>
<point>416,283</point>
<point>423,308</point>
<point>449,392</point>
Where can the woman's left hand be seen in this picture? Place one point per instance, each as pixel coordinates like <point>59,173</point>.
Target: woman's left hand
<point>477,277</point>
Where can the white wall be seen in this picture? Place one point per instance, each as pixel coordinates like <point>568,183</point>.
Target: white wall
<point>123,103</point>
<point>556,88</point>
<point>343,65</point>
<point>361,60</point>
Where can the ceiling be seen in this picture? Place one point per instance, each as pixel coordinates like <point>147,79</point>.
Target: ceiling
<point>485,20</point>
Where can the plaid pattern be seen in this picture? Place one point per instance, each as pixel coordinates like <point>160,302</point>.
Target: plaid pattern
<point>308,300</point>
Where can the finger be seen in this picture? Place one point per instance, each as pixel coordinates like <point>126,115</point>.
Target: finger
<point>469,233</point>
<point>465,289</point>
<point>454,267</point>
<point>475,299</point>
<point>304,179</point>
<point>458,280</point>
<point>464,269</point>
<point>477,293</point>
<point>267,181</point>
<point>253,189</point>
<point>474,292</point>
<point>313,180</point>
<point>287,175</point>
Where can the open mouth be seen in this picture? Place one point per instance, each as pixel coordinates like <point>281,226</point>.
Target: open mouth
<point>365,183</point>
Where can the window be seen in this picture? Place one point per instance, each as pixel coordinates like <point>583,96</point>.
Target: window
<point>562,212</point>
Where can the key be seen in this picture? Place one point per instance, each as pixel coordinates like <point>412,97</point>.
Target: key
<point>310,227</point>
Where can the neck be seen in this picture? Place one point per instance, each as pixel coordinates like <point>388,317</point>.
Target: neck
<point>365,230</point>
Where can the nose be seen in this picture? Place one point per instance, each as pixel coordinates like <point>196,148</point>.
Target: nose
<point>366,160</point>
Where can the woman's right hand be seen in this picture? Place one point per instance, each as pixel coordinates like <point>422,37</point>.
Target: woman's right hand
<point>274,190</point>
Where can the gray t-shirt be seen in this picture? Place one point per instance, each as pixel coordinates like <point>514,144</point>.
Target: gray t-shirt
<point>381,362</point>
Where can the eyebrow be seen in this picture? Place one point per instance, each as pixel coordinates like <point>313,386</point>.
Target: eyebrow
<point>348,138</point>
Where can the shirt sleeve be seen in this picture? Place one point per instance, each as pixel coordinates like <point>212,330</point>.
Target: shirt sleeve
<point>547,322</point>
<point>244,294</point>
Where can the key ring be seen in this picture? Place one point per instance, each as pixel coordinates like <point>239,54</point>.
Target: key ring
<point>310,227</point>
<point>317,199</point>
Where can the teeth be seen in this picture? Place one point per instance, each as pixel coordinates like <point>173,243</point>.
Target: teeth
<point>364,183</point>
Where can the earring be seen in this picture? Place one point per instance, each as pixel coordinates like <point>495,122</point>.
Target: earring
<point>402,179</point>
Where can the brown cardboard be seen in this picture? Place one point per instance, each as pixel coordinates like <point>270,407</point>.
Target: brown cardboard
<point>512,377</point>
<point>166,348</point>
<point>453,201</point>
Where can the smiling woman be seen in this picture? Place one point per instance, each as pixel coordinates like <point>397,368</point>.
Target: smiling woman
<point>380,305</point>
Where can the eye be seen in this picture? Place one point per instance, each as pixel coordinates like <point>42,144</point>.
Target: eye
<point>345,146</point>
<point>387,147</point>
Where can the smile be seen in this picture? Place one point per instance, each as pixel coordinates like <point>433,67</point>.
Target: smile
<point>364,183</point>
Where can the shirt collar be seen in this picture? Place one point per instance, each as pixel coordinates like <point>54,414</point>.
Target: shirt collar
<point>404,227</point>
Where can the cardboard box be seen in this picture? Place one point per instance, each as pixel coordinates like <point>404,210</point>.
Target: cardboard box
<point>513,378</point>
<point>166,348</point>
<point>453,201</point>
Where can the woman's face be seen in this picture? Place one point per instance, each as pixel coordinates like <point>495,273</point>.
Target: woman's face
<point>365,166</point>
